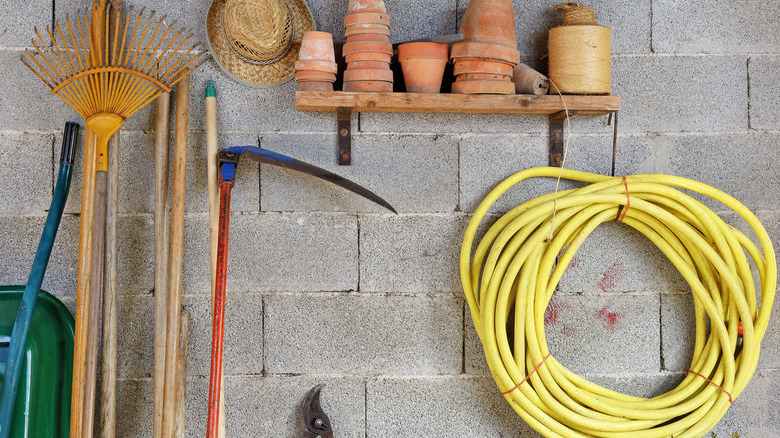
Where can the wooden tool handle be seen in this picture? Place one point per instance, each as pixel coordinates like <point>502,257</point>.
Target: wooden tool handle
<point>181,375</point>
<point>213,182</point>
<point>108,364</point>
<point>161,218</point>
<point>83,285</point>
<point>176,253</point>
<point>95,295</point>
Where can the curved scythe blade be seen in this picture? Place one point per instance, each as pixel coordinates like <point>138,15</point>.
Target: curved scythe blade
<point>261,155</point>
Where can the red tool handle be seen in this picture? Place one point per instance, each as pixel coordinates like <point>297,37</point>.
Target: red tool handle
<point>219,307</point>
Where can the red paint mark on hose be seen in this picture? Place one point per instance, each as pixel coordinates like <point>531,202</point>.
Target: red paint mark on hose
<point>611,277</point>
<point>610,320</point>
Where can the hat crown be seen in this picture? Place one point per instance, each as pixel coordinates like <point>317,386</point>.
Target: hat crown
<point>258,30</point>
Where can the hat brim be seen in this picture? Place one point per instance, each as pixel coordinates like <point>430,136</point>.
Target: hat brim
<point>258,76</point>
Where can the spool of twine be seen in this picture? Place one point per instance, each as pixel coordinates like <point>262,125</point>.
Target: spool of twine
<point>579,52</point>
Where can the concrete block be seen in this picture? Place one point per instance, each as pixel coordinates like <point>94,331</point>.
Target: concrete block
<point>617,258</point>
<point>271,406</point>
<point>363,334</point>
<point>277,252</point>
<point>243,345</point>
<point>630,23</point>
<point>451,123</point>
<point>410,254</point>
<point>137,174</point>
<point>440,407</point>
<point>412,173</point>
<point>135,401</point>
<point>20,20</point>
<point>25,101</point>
<point>751,178</point>
<point>488,160</point>
<point>26,181</point>
<point>709,26</point>
<point>658,95</point>
<point>605,334</point>
<point>764,92</point>
<point>678,331</point>
<point>646,385</point>
<point>770,346</point>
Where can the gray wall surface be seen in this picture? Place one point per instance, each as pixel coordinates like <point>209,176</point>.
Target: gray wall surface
<point>324,287</point>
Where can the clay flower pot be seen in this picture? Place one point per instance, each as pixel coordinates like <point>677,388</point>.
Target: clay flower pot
<point>482,66</point>
<point>317,46</point>
<point>423,66</point>
<point>368,86</point>
<point>368,74</point>
<point>366,18</point>
<point>477,50</point>
<point>307,76</point>
<point>481,77</point>
<point>315,86</point>
<point>359,6</point>
<point>368,64</point>
<point>368,47</point>
<point>483,87</point>
<point>368,56</point>
<point>368,37</point>
<point>357,29</point>
<point>310,64</point>
<point>490,21</point>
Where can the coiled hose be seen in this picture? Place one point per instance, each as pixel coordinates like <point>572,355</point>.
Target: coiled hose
<point>517,266</point>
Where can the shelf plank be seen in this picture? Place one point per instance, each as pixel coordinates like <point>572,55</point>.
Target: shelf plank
<point>453,103</point>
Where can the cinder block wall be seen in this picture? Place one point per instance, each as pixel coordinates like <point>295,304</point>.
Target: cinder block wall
<point>324,287</point>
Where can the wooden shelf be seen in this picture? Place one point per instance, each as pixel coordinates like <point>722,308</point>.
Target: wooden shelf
<point>554,106</point>
<point>453,103</point>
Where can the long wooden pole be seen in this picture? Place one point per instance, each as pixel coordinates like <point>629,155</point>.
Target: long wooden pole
<point>175,258</point>
<point>161,228</point>
<point>110,284</point>
<point>181,376</point>
<point>83,285</point>
<point>213,182</point>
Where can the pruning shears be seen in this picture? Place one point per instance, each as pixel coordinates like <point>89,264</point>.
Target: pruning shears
<point>316,421</point>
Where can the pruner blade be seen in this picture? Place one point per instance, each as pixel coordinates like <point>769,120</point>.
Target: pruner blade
<point>317,423</point>
<point>261,155</point>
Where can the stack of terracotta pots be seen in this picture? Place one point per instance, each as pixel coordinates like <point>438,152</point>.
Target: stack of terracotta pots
<point>316,66</point>
<point>368,49</point>
<point>484,59</point>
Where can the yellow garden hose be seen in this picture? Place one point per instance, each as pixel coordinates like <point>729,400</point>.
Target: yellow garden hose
<point>517,266</point>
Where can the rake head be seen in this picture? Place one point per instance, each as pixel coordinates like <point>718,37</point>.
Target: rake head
<point>95,75</point>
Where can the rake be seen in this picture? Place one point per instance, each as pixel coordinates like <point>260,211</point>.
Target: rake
<point>105,81</point>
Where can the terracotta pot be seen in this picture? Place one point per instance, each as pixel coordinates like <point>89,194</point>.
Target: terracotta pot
<point>482,77</point>
<point>483,87</point>
<point>368,74</point>
<point>315,86</point>
<point>471,49</point>
<point>383,57</point>
<point>317,46</point>
<point>490,21</point>
<point>304,76</point>
<point>358,29</point>
<point>368,37</point>
<point>368,47</point>
<point>360,6</point>
<point>368,64</point>
<point>482,66</point>
<point>371,86</point>
<point>309,64</point>
<point>423,51</point>
<point>423,75</point>
<point>366,18</point>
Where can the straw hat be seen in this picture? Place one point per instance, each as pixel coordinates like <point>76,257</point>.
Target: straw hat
<point>257,41</point>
